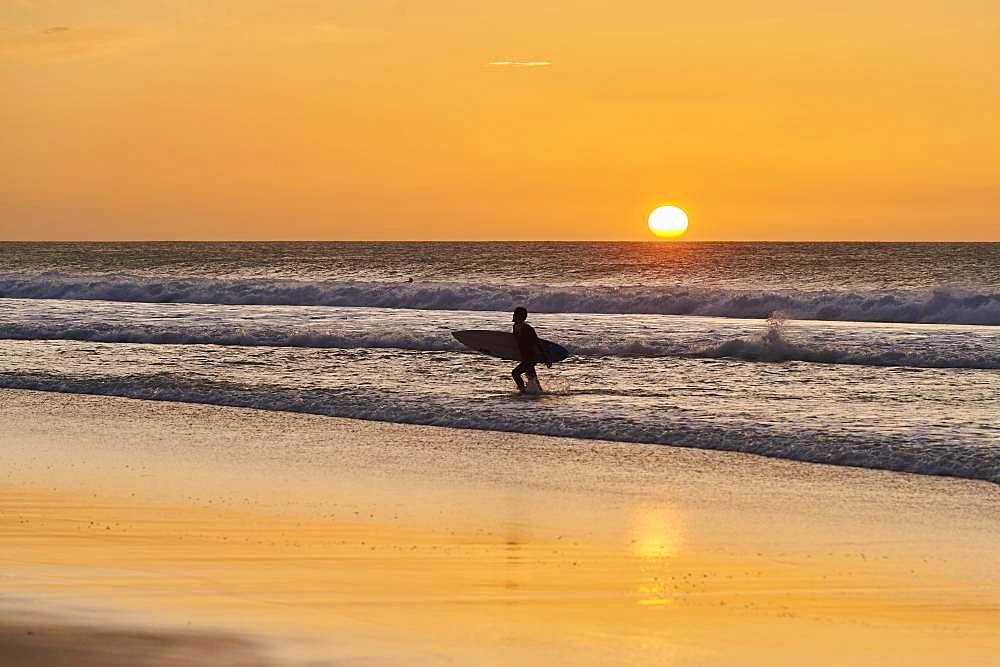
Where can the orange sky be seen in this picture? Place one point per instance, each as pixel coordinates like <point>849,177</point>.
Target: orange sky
<point>383,119</point>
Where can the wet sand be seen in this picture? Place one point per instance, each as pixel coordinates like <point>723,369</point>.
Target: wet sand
<point>191,534</point>
<point>28,637</point>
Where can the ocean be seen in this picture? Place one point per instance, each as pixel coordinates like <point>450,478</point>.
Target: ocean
<point>877,355</point>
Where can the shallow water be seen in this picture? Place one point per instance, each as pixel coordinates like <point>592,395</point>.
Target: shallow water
<point>875,355</point>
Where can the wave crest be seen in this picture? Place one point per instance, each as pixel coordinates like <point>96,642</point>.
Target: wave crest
<point>773,345</point>
<point>939,306</point>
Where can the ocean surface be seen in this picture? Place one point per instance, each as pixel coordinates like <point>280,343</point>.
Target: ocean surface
<point>861,354</point>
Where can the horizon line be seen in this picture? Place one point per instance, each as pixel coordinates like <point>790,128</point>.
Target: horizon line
<point>656,241</point>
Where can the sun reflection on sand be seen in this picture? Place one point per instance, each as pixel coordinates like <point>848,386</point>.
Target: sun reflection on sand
<point>656,538</point>
<point>656,533</point>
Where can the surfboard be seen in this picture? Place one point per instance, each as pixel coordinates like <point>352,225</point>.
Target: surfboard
<point>503,344</point>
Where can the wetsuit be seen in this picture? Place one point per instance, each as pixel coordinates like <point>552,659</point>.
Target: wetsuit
<point>531,354</point>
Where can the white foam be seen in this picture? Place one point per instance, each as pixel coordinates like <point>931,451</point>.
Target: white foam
<point>770,346</point>
<point>943,305</point>
<point>920,454</point>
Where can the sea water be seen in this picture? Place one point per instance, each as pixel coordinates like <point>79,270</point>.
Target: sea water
<point>864,354</point>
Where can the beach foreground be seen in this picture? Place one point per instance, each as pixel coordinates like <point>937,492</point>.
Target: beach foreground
<point>139,532</point>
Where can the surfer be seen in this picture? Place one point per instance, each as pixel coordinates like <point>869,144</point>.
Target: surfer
<point>531,350</point>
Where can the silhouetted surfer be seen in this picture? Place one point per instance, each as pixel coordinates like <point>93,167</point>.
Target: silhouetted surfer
<point>531,350</point>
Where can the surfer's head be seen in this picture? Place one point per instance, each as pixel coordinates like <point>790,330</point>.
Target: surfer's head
<point>520,314</point>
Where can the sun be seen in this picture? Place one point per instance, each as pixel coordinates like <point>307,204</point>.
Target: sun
<point>668,222</point>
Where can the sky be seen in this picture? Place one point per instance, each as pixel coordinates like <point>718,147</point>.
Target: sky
<point>461,119</point>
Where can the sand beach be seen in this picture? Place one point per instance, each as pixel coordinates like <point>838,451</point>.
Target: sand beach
<point>193,534</point>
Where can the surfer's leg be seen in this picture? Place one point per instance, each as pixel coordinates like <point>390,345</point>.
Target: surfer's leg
<point>533,385</point>
<point>516,374</point>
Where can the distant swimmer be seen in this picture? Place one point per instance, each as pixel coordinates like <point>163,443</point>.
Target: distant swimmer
<point>532,351</point>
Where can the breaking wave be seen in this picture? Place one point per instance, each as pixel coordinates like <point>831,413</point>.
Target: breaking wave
<point>939,306</point>
<point>772,345</point>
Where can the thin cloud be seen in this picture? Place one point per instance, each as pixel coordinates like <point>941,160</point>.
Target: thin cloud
<point>516,63</point>
<point>61,42</point>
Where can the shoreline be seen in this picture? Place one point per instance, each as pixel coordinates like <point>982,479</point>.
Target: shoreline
<point>378,542</point>
<point>303,405</point>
